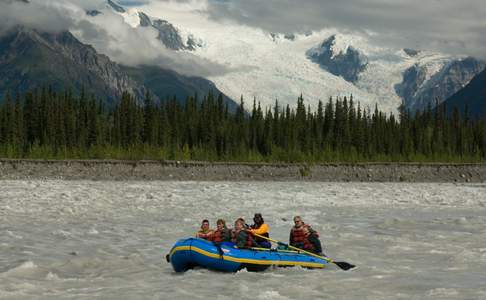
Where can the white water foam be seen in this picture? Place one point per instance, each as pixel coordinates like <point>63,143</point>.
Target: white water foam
<point>408,240</point>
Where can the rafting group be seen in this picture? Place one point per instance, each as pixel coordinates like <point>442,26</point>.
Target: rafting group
<point>249,247</point>
<point>302,236</point>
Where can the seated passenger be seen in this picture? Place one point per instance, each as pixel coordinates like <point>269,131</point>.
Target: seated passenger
<point>261,228</point>
<point>221,234</point>
<point>302,236</point>
<point>241,237</point>
<point>204,232</point>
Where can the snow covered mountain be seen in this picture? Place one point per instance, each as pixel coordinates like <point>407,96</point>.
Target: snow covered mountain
<point>348,64</point>
<point>254,63</point>
<point>329,63</point>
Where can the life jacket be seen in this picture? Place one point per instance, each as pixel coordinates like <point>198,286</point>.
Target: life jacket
<point>250,241</point>
<point>301,236</point>
<point>218,235</point>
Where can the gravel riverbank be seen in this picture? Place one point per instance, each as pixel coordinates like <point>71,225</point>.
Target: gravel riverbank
<point>210,171</point>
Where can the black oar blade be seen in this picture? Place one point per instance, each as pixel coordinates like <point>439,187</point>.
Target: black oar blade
<point>344,265</point>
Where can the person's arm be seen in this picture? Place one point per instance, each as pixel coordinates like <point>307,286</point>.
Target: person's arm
<point>203,235</point>
<point>262,230</point>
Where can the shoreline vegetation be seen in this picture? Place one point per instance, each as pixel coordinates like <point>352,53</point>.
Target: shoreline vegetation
<point>119,170</point>
<point>45,124</point>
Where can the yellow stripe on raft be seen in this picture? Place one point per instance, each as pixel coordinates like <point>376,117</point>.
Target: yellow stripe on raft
<point>248,261</point>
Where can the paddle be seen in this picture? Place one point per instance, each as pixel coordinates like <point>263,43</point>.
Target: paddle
<point>341,264</point>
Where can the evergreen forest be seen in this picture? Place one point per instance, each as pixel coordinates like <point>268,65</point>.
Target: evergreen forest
<point>44,124</point>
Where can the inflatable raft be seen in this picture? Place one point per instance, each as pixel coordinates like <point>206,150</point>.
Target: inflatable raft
<point>194,252</point>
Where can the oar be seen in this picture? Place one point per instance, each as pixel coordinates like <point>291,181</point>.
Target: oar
<point>342,264</point>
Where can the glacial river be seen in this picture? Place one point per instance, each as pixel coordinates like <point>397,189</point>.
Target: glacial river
<point>108,240</point>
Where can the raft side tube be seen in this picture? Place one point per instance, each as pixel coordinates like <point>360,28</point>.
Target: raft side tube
<point>191,252</point>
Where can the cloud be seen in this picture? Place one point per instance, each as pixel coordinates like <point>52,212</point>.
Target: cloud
<point>133,2</point>
<point>46,16</point>
<point>446,25</point>
<point>108,33</point>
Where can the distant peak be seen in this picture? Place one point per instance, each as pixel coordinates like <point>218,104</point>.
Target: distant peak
<point>411,52</point>
<point>116,7</point>
<point>15,1</point>
<point>339,58</point>
<point>289,36</point>
<point>93,12</point>
<point>144,20</point>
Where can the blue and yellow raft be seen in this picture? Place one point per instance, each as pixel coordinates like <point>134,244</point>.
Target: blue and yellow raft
<point>193,252</point>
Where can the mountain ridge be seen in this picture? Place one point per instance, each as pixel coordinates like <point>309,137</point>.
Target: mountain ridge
<point>472,97</point>
<point>273,66</point>
<point>31,59</point>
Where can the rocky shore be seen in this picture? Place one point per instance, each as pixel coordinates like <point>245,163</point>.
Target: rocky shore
<point>211,171</point>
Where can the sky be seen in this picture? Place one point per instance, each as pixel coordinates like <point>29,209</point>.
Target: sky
<point>450,26</point>
<point>110,34</point>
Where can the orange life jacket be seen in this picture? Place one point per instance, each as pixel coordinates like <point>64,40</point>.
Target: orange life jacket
<point>301,236</point>
<point>217,236</point>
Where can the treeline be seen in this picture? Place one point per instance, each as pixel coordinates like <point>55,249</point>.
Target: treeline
<point>48,124</point>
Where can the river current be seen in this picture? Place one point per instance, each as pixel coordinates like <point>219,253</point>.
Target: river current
<point>108,240</point>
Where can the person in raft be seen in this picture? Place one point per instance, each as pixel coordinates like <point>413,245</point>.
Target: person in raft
<point>241,237</point>
<point>261,228</point>
<point>302,236</point>
<point>221,234</point>
<point>204,232</point>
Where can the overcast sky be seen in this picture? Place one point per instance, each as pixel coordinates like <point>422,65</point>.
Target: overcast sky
<point>453,26</point>
<point>110,34</point>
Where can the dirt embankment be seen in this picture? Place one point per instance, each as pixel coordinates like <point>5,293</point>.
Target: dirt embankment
<point>208,171</point>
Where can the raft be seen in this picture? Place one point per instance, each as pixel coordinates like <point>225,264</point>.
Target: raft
<point>226,257</point>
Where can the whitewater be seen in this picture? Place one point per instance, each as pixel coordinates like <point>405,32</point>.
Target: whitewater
<point>108,239</point>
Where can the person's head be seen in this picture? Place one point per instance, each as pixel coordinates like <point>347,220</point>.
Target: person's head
<point>220,224</point>
<point>239,224</point>
<point>298,221</point>
<point>258,219</point>
<point>205,225</point>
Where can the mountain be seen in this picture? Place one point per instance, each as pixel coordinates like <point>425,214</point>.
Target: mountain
<point>472,95</point>
<point>167,33</point>
<point>118,8</point>
<point>251,62</point>
<point>347,65</point>
<point>319,64</point>
<point>418,90</point>
<point>30,59</point>
<point>93,12</point>
<point>167,84</point>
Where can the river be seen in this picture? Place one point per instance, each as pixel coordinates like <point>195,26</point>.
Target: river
<point>108,239</point>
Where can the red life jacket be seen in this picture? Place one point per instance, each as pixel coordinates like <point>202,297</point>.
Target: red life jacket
<point>217,236</point>
<point>301,236</point>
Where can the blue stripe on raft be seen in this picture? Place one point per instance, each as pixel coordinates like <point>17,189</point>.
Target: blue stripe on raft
<point>192,252</point>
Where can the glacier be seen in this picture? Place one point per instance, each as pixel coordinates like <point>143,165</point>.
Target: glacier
<point>255,64</point>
